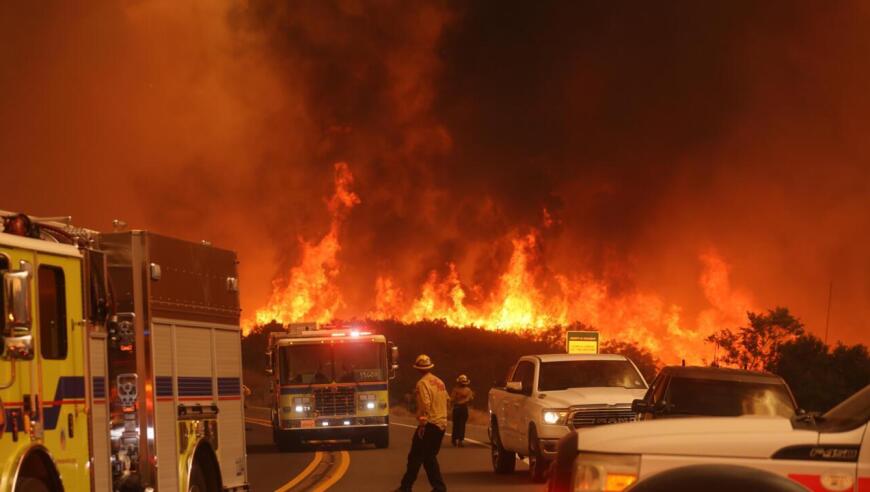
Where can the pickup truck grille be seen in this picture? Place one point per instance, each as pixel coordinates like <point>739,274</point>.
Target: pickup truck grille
<point>335,401</point>
<point>600,416</point>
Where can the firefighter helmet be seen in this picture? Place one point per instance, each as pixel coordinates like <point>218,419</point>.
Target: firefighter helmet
<point>463,380</point>
<point>423,362</point>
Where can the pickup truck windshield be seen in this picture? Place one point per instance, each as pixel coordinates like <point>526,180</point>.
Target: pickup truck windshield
<point>353,362</point>
<point>562,375</point>
<point>717,398</point>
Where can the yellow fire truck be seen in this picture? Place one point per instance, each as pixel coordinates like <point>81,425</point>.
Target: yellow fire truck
<point>330,384</point>
<point>121,361</point>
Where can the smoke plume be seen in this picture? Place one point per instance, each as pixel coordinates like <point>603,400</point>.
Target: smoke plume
<point>658,169</point>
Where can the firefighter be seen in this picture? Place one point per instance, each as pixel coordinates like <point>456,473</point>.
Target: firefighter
<point>461,396</point>
<point>431,425</point>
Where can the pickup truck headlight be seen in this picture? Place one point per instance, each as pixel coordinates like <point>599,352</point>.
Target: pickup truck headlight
<point>605,472</point>
<point>555,417</point>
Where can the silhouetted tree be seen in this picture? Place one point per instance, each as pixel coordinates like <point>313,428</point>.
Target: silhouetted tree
<point>803,363</point>
<point>757,346</point>
<point>819,377</point>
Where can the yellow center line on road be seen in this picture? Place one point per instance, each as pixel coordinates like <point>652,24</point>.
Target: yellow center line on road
<point>331,480</point>
<point>318,457</point>
<point>339,472</point>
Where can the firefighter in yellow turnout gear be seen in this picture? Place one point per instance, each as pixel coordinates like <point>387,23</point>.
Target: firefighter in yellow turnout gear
<point>432,423</point>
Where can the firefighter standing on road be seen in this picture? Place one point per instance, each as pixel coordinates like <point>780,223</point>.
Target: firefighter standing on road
<point>461,396</point>
<point>431,425</point>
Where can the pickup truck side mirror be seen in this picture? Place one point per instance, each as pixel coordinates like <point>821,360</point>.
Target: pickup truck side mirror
<point>514,387</point>
<point>661,408</point>
<point>639,406</point>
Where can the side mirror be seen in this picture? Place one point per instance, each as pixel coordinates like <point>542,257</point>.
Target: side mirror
<point>639,406</point>
<point>661,408</point>
<point>17,327</point>
<point>514,387</point>
<point>269,370</point>
<point>394,361</point>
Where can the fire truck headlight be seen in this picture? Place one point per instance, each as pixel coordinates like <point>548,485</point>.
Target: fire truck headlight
<point>368,401</point>
<point>301,405</point>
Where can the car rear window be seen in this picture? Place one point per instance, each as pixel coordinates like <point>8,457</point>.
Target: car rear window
<point>717,398</point>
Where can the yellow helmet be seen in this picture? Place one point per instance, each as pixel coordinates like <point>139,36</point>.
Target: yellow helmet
<point>463,379</point>
<point>423,362</point>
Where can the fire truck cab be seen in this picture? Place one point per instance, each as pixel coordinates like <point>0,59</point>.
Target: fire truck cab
<point>330,384</point>
<point>109,374</point>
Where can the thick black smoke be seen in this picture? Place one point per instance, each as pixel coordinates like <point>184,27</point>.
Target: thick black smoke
<point>649,133</point>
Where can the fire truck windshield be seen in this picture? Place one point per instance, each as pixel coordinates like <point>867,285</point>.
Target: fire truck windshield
<point>360,362</point>
<point>342,363</point>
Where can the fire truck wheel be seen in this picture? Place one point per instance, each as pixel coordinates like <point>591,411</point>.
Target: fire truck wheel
<point>29,484</point>
<point>382,439</point>
<point>198,483</point>
<point>288,442</point>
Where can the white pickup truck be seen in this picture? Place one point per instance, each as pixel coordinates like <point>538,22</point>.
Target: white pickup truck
<point>546,396</point>
<point>826,453</point>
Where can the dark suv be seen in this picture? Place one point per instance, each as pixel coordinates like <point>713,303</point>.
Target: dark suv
<point>680,391</point>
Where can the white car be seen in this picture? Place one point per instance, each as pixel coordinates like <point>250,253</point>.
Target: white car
<point>826,453</point>
<point>547,396</point>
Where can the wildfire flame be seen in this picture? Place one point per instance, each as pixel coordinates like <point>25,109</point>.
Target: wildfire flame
<point>518,302</point>
<point>310,293</point>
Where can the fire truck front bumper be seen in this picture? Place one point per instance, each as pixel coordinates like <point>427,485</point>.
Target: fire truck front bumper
<point>327,428</point>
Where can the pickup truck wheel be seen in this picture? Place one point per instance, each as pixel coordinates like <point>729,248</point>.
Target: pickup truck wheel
<point>503,461</point>
<point>537,464</point>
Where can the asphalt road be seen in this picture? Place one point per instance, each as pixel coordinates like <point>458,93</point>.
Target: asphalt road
<point>346,468</point>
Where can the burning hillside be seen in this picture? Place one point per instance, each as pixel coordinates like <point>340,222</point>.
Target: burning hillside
<point>526,297</point>
<point>649,170</point>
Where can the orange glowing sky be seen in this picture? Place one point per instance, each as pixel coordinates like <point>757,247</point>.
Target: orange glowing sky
<point>657,172</point>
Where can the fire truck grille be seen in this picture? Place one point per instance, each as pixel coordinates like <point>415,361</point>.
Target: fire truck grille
<point>600,416</point>
<point>335,401</point>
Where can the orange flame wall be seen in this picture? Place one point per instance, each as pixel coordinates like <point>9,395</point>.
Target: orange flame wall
<point>653,172</point>
<point>519,300</point>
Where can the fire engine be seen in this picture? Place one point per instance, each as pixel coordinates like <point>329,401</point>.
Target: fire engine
<point>121,361</point>
<point>330,383</point>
